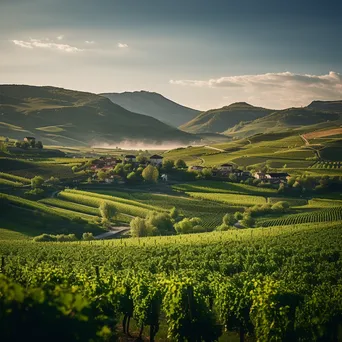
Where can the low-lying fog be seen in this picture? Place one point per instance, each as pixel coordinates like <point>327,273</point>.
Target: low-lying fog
<point>141,145</point>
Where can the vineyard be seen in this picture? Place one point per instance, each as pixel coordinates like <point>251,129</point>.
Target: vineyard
<point>231,199</point>
<point>268,284</point>
<point>335,165</point>
<point>333,214</point>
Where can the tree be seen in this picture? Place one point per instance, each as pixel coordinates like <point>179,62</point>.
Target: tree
<point>132,177</point>
<point>142,159</point>
<point>238,215</point>
<point>37,182</point>
<point>233,177</point>
<point>248,220</point>
<point>39,145</point>
<point>187,226</point>
<point>138,227</point>
<point>180,164</point>
<point>88,236</point>
<point>107,211</point>
<point>168,165</point>
<point>102,175</point>
<point>160,223</point>
<point>150,174</point>
<point>174,213</point>
<point>119,169</point>
<point>207,173</point>
<point>229,220</point>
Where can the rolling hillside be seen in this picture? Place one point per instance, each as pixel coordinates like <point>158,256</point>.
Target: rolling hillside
<point>154,105</point>
<point>219,120</point>
<point>65,117</point>
<point>326,106</point>
<point>302,119</point>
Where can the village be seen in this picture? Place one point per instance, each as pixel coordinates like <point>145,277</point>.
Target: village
<point>226,170</point>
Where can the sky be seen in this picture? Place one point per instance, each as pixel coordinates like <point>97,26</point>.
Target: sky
<point>200,53</point>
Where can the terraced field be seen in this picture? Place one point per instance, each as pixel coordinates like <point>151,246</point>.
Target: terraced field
<point>231,199</point>
<point>224,187</point>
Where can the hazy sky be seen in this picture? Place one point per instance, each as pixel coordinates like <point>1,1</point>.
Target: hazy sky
<point>201,53</point>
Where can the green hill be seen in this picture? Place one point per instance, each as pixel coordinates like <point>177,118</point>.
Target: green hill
<point>154,105</point>
<point>301,119</point>
<point>219,120</point>
<point>326,106</point>
<point>65,117</point>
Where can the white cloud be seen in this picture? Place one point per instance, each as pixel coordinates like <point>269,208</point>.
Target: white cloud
<point>280,89</point>
<point>89,42</point>
<point>122,45</point>
<point>45,44</point>
<point>60,37</point>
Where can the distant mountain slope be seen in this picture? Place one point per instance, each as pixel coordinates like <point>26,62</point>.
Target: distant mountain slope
<point>326,106</point>
<point>66,117</point>
<point>154,105</point>
<point>287,119</point>
<point>219,120</point>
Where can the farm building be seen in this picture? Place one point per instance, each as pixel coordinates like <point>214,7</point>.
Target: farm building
<point>130,158</point>
<point>156,160</point>
<point>196,168</point>
<point>226,167</point>
<point>259,175</point>
<point>30,139</point>
<point>277,177</point>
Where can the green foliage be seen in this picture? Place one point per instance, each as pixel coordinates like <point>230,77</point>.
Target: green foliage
<point>180,164</point>
<point>37,182</point>
<point>274,284</point>
<point>107,210</point>
<point>58,312</point>
<point>188,226</point>
<point>87,236</point>
<point>168,165</point>
<point>248,220</point>
<point>140,228</point>
<point>35,192</point>
<point>150,174</point>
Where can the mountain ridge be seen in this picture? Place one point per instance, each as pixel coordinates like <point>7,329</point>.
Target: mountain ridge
<point>62,116</point>
<point>220,119</point>
<point>153,104</point>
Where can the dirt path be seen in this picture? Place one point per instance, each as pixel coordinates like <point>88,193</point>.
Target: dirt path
<point>112,233</point>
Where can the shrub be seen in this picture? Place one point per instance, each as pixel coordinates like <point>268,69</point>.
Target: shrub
<point>66,238</point>
<point>248,220</point>
<point>280,207</point>
<point>180,164</point>
<point>150,174</point>
<point>45,238</point>
<point>87,236</point>
<point>186,226</point>
<point>37,182</point>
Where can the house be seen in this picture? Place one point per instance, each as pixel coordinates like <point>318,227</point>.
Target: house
<point>196,168</point>
<point>237,172</point>
<point>156,160</point>
<point>277,177</point>
<point>30,140</point>
<point>259,175</point>
<point>226,167</point>
<point>130,158</point>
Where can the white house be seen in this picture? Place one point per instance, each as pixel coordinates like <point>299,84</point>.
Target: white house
<point>156,160</point>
